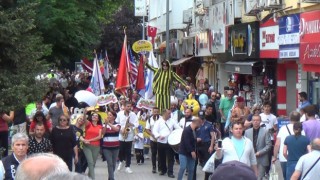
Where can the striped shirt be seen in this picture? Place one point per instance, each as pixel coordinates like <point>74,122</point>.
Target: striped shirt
<point>110,139</point>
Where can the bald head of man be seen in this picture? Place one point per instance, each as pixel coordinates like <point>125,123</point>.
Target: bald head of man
<point>41,165</point>
<point>315,144</point>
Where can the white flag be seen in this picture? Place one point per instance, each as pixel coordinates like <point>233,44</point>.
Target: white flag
<point>96,83</point>
<point>149,76</point>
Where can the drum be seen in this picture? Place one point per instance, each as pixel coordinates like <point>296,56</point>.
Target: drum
<point>174,139</point>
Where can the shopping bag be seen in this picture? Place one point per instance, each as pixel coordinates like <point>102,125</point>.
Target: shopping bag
<point>273,175</point>
<point>209,166</point>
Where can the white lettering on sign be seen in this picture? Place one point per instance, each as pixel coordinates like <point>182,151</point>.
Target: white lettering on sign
<point>237,69</point>
<point>285,39</point>
<point>311,52</point>
<point>289,53</point>
<point>309,27</point>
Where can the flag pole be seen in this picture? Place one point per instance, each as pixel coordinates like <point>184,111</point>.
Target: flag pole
<point>97,65</point>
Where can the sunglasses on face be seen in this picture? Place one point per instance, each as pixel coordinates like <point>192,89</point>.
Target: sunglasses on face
<point>63,120</point>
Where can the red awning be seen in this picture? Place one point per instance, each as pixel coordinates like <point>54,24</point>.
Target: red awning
<point>311,67</point>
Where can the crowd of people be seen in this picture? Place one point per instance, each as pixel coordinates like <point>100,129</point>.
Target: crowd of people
<point>221,134</point>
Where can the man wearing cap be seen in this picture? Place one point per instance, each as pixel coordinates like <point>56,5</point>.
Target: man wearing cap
<point>187,149</point>
<point>206,138</point>
<point>241,112</point>
<point>233,170</point>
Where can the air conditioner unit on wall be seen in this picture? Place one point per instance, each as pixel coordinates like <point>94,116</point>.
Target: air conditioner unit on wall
<point>273,4</point>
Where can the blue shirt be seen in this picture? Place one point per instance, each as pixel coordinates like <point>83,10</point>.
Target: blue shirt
<point>304,104</point>
<point>204,132</point>
<point>238,145</point>
<point>297,146</point>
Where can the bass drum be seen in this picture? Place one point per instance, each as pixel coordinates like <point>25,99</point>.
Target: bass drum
<point>174,139</point>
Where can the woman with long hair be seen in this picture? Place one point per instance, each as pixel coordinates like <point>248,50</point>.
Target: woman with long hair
<point>64,142</point>
<point>295,146</point>
<point>91,147</point>
<point>39,117</point>
<point>110,143</point>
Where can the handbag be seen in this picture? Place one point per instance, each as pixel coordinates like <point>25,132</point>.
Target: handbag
<point>273,175</point>
<point>210,164</point>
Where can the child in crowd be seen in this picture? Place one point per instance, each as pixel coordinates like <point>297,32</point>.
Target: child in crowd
<point>139,145</point>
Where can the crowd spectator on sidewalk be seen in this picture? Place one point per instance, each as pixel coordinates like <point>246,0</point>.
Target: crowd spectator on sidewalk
<point>256,110</point>
<point>38,143</point>
<point>56,111</point>
<point>312,126</point>
<point>295,146</point>
<point>261,144</point>
<point>237,147</point>
<point>91,146</point>
<point>64,141</point>
<point>39,107</point>
<point>303,99</point>
<point>226,105</point>
<point>81,165</point>
<point>4,131</point>
<point>39,117</point>
<point>308,165</point>
<point>283,133</point>
<point>9,164</point>
<point>110,142</point>
<point>240,112</point>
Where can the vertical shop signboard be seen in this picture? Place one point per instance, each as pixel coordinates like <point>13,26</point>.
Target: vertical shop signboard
<point>269,34</point>
<point>310,38</point>
<point>217,33</point>
<point>289,37</point>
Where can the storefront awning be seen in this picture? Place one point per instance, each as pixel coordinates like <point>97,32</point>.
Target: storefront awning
<point>240,67</point>
<point>311,67</point>
<point>180,61</point>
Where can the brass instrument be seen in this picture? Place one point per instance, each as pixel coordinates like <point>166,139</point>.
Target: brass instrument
<point>126,129</point>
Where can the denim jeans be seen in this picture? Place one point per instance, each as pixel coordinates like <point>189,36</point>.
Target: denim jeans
<point>111,156</point>
<point>186,163</point>
<point>284,169</point>
<point>290,169</point>
<point>82,164</point>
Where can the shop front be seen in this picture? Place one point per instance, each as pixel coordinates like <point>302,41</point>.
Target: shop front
<point>310,51</point>
<point>243,68</point>
<point>289,72</point>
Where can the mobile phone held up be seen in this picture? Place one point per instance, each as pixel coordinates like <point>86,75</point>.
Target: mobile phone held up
<point>219,143</point>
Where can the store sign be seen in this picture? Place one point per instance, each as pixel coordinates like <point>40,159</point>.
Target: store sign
<point>269,33</point>
<point>289,38</point>
<point>217,39</point>
<point>243,41</point>
<point>310,37</point>
<point>202,45</point>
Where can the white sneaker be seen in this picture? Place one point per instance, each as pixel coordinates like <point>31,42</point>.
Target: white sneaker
<point>128,170</point>
<point>119,166</point>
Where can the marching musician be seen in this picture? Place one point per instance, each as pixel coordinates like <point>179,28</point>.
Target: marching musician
<point>153,141</point>
<point>188,118</point>
<point>128,121</point>
<point>161,130</point>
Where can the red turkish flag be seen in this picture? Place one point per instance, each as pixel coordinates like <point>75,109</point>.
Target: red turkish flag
<point>152,32</point>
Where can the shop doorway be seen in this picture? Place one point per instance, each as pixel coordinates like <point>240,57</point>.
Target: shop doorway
<point>291,90</point>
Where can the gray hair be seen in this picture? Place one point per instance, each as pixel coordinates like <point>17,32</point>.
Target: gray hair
<point>57,166</point>
<point>315,144</point>
<point>19,136</point>
<point>69,176</point>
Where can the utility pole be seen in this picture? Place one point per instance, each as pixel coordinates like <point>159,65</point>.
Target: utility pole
<point>143,29</point>
<point>167,31</point>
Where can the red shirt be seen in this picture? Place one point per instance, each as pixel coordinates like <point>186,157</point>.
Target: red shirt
<point>3,125</point>
<point>92,132</point>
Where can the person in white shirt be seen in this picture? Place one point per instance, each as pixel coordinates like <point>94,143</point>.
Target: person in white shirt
<point>308,165</point>
<point>284,131</point>
<point>161,130</point>
<point>153,142</point>
<point>123,117</point>
<point>188,118</point>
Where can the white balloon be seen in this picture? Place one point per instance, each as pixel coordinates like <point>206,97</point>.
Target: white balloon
<point>87,97</point>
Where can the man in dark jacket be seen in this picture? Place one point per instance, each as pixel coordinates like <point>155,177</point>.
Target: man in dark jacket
<point>187,151</point>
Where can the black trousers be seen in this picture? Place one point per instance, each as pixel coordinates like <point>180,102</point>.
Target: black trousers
<point>154,153</point>
<point>166,154</point>
<point>203,153</point>
<point>4,142</point>
<point>139,155</point>
<point>125,152</point>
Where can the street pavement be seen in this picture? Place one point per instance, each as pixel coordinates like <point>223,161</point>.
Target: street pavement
<point>143,172</point>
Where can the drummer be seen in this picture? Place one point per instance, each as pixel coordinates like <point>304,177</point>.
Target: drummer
<point>206,138</point>
<point>187,150</point>
<point>161,130</point>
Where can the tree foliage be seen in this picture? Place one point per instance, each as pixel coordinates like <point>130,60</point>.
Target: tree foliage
<point>21,53</point>
<point>113,34</point>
